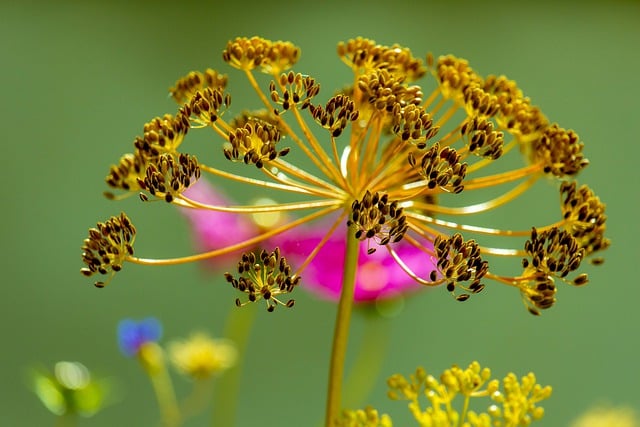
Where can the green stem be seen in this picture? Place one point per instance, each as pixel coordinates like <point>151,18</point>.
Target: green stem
<point>465,408</point>
<point>369,360</point>
<point>341,331</point>
<point>66,420</point>
<point>198,399</point>
<point>227,387</point>
<point>166,397</point>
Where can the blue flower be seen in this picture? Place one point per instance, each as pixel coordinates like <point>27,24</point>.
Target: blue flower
<point>133,334</point>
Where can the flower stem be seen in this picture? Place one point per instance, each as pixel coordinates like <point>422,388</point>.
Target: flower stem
<point>226,390</point>
<point>368,362</point>
<point>341,331</point>
<point>66,420</point>
<point>166,397</point>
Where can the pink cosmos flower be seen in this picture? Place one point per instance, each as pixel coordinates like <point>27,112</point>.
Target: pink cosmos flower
<point>378,275</point>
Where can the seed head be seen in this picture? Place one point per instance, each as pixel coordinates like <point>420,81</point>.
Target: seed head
<point>205,106</point>
<point>166,177</point>
<point>107,247</point>
<point>293,90</point>
<point>376,217</point>
<point>560,151</point>
<point>383,90</point>
<point>125,174</point>
<point>273,57</point>
<point>454,75</point>
<point>478,102</point>
<point>482,139</point>
<point>441,168</point>
<point>413,124</point>
<point>254,143</point>
<point>363,55</point>
<point>460,262</point>
<point>162,135</point>
<point>336,115</point>
<point>523,120</point>
<point>554,252</point>
<point>264,276</point>
<point>585,217</point>
<point>195,81</point>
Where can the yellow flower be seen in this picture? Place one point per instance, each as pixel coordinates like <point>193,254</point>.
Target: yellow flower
<point>608,416</point>
<point>201,357</point>
<point>367,417</point>
<point>515,404</point>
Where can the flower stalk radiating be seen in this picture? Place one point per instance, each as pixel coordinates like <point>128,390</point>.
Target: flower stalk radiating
<point>393,156</point>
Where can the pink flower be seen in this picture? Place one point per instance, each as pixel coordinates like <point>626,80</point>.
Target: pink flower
<point>378,275</point>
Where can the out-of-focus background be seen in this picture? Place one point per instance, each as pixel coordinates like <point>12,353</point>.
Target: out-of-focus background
<point>78,81</point>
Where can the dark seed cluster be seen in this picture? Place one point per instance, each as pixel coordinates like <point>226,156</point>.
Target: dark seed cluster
<point>167,177</point>
<point>505,91</point>
<point>384,90</point>
<point>273,57</point>
<point>264,276</point>
<point>523,120</point>
<point>205,105</point>
<point>554,252</point>
<point>298,90</point>
<point>560,151</point>
<point>162,135</point>
<point>441,168</point>
<point>254,144</point>
<point>260,116</point>
<point>363,55</point>
<point>539,293</point>
<point>479,102</point>
<point>376,217</point>
<point>125,174</point>
<point>413,124</point>
<point>482,139</point>
<point>459,262</point>
<point>187,86</point>
<point>336,115</point>
<point>585,217</point>
<point>107,246</point>
<point>455,75</point>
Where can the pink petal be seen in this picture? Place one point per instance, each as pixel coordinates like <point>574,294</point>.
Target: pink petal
<point>378,275</point>
<point>215,230</point>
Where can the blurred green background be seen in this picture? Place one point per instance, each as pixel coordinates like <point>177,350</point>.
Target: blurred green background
<point>79,79</point>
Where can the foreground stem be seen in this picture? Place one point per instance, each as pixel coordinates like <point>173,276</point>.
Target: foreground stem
<point>341,331</point>
<point>227,388</point>
<point>368,361</point>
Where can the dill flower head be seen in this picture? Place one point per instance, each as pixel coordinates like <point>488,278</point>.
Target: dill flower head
<point>403,156</point>
<point>201,357</point>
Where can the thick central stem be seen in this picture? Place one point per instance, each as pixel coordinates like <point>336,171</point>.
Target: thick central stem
<point>341,331</point>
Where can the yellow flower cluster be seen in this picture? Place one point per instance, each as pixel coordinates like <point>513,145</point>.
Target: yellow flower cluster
<point>515,404</point>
